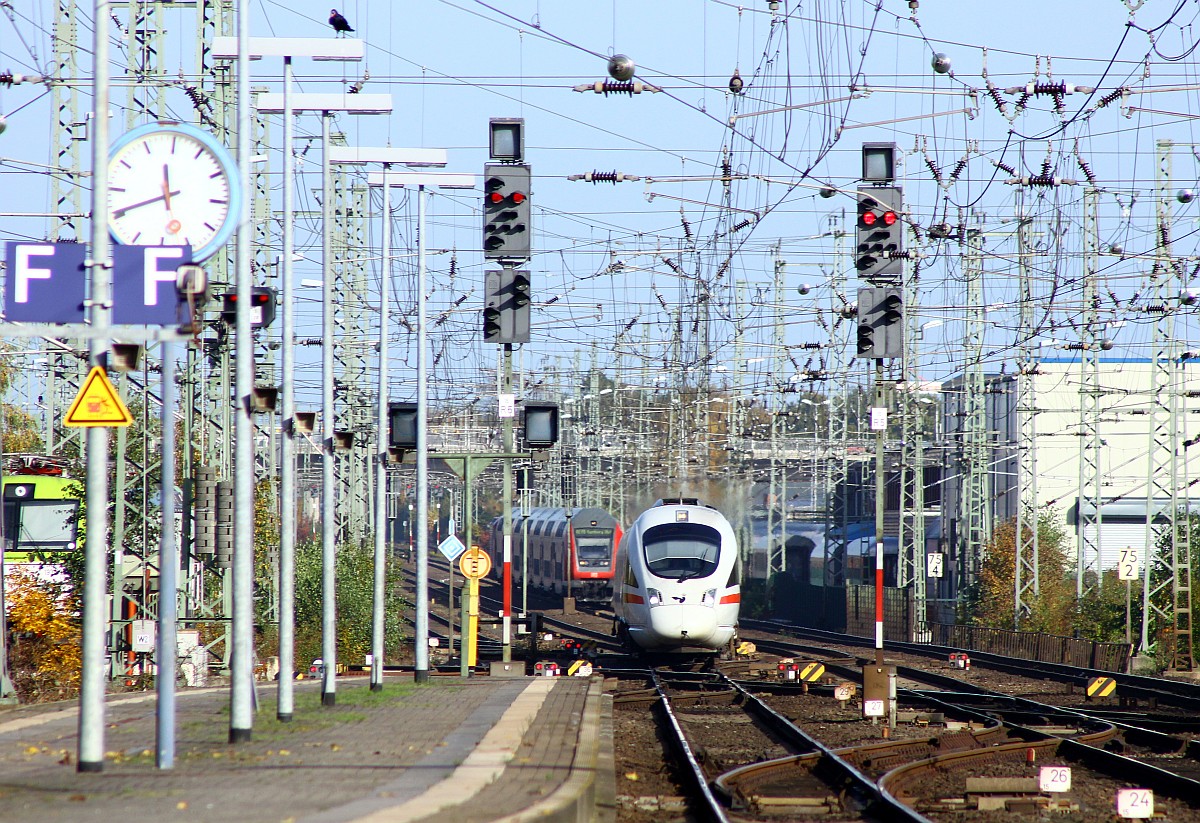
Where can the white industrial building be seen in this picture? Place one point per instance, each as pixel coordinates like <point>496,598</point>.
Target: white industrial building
<point>1124,412</point>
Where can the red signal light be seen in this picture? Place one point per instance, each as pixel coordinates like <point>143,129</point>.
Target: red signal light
<point>518,197</point>
<point>496,197</point>
<point>889,218</point>
<point>868,218</point>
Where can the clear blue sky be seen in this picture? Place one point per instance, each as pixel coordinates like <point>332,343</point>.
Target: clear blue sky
<point>452,65</point>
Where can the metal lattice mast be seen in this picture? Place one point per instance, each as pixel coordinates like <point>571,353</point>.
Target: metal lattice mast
<point>1162,469</point>
<point>211,378</point>
<point>144,68</point>
<point>912,514</point>
<point>910,470</point>
<point>69,138</point>
<point>777,550</point>
<point>837,465</point>
<point>973,500</point>
<point>351,333</point>
<point>1089,519</point>
<point>1026,581</point>
<point>66,193</point>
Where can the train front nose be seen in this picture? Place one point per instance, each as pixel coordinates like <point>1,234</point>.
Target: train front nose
<point>683,623</point>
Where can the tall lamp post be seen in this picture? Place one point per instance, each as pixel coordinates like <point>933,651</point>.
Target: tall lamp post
<point>327,105</point>
<point>421,180</point>
<point>387,156</point>
<point>287,48</point>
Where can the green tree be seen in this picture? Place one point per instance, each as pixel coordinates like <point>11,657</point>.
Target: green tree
<point>1102,609</point>
<point>990,602</point>
<point>18,429</point>
<point>1161,588</point>
<point>355,575</point>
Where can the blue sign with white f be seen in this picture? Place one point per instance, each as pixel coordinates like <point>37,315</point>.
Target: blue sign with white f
<point>46,282</point>
<point>144,291</point>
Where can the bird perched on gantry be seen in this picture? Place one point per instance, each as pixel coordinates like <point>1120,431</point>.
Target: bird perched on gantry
<point>339,23</point>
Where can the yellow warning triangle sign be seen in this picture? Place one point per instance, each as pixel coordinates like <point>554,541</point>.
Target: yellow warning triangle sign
<point>97,403</point>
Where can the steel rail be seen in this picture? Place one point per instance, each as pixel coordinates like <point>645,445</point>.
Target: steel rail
<point>713,810</point>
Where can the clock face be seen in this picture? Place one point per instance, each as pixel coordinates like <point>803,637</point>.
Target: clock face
<point>171,186</point>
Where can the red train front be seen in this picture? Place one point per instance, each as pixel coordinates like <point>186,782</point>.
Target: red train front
<point>570,551</point>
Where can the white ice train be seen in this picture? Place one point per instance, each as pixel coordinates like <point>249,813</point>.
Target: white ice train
<point>675,583</point>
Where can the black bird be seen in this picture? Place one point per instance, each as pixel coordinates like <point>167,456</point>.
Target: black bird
<point>338,22</point>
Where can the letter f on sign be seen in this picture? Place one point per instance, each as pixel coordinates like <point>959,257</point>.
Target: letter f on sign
<point>154,275</point>
<point>26,272</point>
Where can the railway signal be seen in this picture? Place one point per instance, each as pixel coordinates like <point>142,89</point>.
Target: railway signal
<point>262,306</point>
<point>507,229</point>
<point>880,322</point>
<point>879,233</point>
<point>506,306</point>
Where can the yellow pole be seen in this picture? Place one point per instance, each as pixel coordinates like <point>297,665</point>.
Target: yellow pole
<point>473,632</point>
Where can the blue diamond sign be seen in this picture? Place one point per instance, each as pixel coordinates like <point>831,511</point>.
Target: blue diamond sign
<point>452,547</point>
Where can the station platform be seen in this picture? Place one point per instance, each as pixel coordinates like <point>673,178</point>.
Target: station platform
<point>476,749</point>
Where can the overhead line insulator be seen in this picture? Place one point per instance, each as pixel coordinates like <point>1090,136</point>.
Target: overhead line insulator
<point>607,87</point>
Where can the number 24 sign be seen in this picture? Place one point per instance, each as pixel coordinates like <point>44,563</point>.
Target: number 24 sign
<point>1135,803</point>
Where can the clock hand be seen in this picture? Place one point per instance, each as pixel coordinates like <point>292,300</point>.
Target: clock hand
<point>119,213</point>
<point>166,186</point>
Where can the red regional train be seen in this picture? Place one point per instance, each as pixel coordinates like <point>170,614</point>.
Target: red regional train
<point>571,551</point>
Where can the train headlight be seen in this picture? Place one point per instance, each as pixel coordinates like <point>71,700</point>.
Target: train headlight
<point>709,598</point>
<point>654,597</point>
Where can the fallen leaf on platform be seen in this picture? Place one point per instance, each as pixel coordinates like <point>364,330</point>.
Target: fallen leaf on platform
<point>631,776</point>
<point>335,747</point>
<point>181,805</point>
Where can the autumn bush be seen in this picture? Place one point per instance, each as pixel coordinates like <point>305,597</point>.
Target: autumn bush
<point>45,658</point>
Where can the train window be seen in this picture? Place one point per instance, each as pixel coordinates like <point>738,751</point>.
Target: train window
<point>594,546</point>
<point>40,524</point>
<point>562,527</point>
<point>682,551</point>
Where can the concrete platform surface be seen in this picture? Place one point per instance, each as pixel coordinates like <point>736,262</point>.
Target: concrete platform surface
<point>481,749</point>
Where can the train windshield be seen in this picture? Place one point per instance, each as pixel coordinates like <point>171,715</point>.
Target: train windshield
<point>682,551</point>
<point>593,546</point>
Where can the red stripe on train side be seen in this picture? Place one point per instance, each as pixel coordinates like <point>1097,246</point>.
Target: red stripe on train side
<point>730,598</point>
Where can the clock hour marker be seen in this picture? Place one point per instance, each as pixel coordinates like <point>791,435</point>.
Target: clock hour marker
<point>210,227</point>
<point>114,188</point>
<point>125,163</point>
<point>146,146</point>
<point>216,200</point>
<point>173,139</point>
<point>135,237</point>
<point>216,174</point>
<point>199,152</point>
